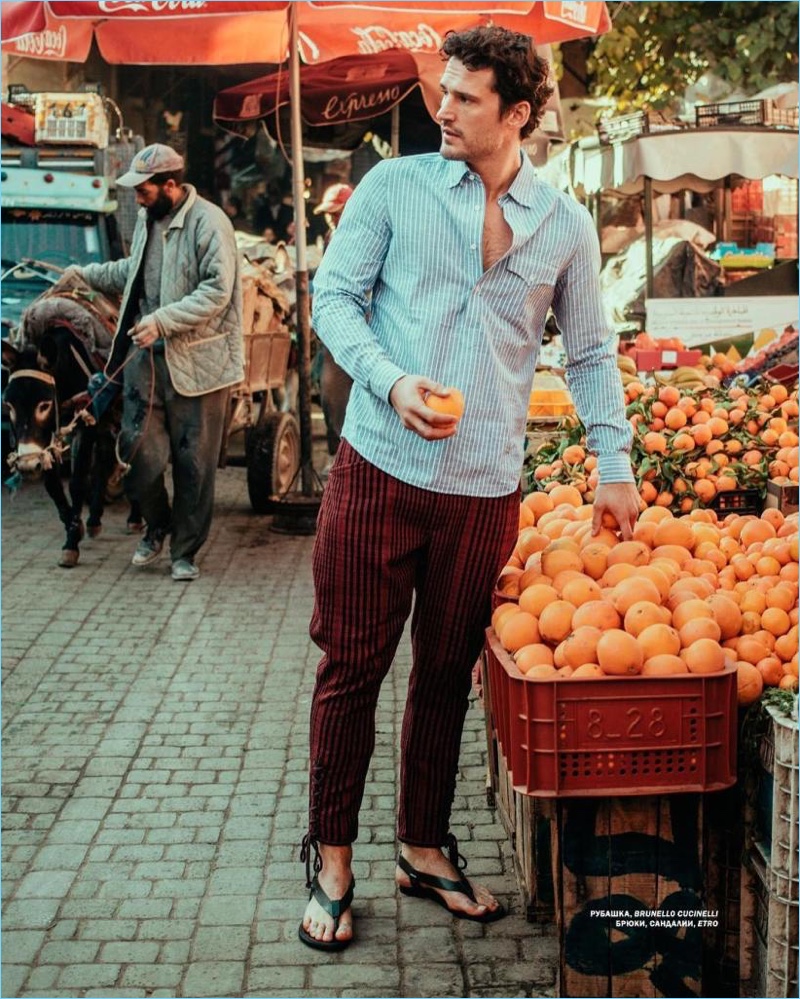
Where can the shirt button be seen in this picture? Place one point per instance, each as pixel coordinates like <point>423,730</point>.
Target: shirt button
<point>477,208</point>
<point>473,246</point>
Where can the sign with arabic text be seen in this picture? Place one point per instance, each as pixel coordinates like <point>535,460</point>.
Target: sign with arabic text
<point>698,321</point>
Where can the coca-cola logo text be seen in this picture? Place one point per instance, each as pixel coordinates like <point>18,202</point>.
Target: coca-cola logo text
<point>576,11</point>
<point>43,43</point>
<point>375,38</point>
<point>150,7</point>
<point>345,107</point>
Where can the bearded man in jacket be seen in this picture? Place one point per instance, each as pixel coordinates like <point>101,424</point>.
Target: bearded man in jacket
<point>179,345</point>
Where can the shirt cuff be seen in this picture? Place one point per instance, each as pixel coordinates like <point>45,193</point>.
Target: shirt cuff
<point>383,377</point>
<point>614,468</point>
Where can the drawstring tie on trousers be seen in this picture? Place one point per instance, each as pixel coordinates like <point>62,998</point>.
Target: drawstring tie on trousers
<point>310,856</point>
<point>309,846</point>
<point>455,858</point>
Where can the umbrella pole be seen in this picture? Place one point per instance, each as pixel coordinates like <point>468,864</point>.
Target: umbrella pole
<point>296,513</point>
<point>648,235</point>
<point>301,265</point>
<point>396,131</point>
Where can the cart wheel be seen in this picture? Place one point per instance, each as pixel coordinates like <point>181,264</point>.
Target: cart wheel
<point>273,460</point>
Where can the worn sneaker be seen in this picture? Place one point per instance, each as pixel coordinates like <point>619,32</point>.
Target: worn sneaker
<point>148,549</point>
<point>184,570</point>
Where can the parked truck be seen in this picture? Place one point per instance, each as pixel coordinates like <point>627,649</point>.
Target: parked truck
<point>60,204</point>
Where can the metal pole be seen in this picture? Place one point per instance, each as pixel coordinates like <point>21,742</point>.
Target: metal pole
<point>648,233</point>
<point>727,209</point>
<point>396,131</point>
<point>301,265</point>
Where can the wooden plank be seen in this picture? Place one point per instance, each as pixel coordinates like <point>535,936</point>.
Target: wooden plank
<point>754,934</point>
<point>527,821</point>
<point>617,858</point>
<point>580,871</point>
<point>678,950</point>
<point>534,818</point>
<point>634,885</point>
<point>723,836</point>
<point>506,803</point>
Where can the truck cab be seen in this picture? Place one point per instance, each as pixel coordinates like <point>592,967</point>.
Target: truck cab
<point>58,197</point>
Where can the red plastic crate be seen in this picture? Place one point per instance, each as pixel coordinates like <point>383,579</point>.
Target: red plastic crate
<point>786,374</point>
<point>663,359</point>
<point>621,736</point>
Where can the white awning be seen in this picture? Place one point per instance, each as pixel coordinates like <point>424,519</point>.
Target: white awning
<point>694,159</point>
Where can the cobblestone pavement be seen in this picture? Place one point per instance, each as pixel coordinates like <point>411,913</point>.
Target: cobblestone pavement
<point>154,784</point>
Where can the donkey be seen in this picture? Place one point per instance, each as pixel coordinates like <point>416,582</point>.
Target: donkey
<point>47,386</point>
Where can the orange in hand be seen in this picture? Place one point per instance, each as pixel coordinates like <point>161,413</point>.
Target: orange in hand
<point>451,404</point>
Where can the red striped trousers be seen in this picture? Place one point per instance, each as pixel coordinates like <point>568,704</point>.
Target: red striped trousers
<point>380,543</point>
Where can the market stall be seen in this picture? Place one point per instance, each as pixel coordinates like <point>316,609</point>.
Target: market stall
<point>634,156</point>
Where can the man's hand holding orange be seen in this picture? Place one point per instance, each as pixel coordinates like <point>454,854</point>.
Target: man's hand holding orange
<point>426,407</point>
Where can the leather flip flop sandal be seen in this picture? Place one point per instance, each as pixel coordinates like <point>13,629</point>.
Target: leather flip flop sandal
<point>423,885</point>
<point>334,908</point>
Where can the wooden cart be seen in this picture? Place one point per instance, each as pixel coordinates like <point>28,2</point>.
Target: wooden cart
<point>272,437</point>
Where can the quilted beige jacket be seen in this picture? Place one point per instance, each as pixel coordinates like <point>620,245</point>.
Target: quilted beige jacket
<point>200,311</point>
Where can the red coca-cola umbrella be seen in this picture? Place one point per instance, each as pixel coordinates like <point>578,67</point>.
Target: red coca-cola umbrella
<point>18,19</point>
<point>230,32</point>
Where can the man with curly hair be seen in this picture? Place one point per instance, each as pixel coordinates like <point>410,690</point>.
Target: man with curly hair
<point>441,273</point>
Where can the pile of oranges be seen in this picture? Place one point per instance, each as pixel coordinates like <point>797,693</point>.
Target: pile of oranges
<point>688,446</point>
<point>688,594</point>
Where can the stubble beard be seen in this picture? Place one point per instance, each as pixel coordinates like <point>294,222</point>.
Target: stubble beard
<point>449,152</point>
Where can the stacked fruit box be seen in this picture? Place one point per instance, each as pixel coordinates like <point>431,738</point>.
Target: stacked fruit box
<point>771,878</point>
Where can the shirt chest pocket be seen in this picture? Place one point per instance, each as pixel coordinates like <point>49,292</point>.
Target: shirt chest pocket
<point>532,271</point>
<point>521,296</point>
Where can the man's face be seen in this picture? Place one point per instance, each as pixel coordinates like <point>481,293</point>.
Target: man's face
<point>158,199</point>
<point>469,115</point>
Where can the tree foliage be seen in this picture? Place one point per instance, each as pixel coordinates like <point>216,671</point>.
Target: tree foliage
<point>656,50</point>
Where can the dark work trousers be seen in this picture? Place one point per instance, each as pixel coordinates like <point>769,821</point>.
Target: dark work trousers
<point>334,393</point>
<point>379,544</point>
<point>184,429</point>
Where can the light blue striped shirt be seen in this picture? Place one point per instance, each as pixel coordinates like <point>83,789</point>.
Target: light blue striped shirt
<point>411,234</point>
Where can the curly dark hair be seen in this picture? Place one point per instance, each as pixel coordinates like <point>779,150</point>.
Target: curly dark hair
<point>519,73</point>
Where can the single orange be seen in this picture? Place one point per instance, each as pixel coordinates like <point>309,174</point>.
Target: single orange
<point>451,404</point>
<point>664,665</point>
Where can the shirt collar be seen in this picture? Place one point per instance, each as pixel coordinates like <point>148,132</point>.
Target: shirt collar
<point>455,171</point>
<point>521,190</point>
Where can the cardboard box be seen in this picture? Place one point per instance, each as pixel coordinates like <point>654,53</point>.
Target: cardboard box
<point>781,496</point>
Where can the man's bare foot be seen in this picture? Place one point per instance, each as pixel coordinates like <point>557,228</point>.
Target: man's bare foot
<point>334,878</point>
<point>431,860</point>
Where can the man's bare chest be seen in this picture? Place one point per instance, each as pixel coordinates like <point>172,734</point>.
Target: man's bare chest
<point>497,235</point>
